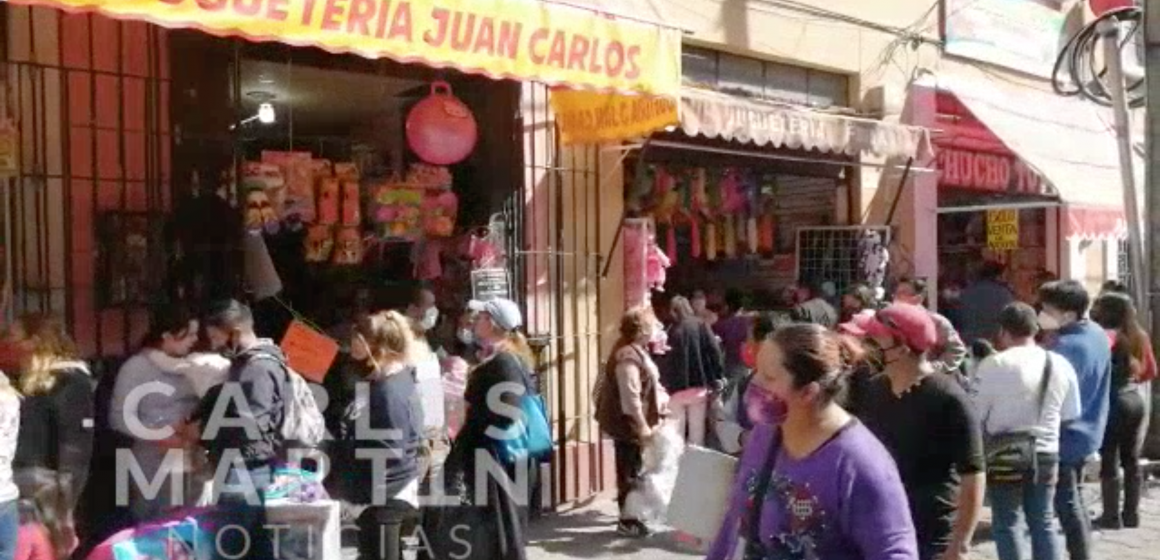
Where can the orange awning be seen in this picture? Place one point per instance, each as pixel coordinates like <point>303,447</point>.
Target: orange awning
<point>523,40</point>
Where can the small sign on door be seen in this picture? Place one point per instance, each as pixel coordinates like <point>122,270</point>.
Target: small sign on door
<point>490,283</point>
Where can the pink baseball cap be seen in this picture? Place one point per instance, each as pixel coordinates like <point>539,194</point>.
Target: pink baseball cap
<point>909,324</point>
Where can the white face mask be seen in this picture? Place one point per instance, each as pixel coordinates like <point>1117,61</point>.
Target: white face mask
<point>1049,322</point>
<point>466,336</point>
<point>430,318</point>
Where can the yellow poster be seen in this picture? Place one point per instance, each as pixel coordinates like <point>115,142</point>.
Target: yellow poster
<point>589,117</point>
<point>1003,230</point>
<point>527,40</point>
<point>9,149</point>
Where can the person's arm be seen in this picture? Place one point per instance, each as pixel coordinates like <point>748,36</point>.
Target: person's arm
<point>631,404</point>
<point>1149,363</point>
<point>969,462</point>
<point>74,431</point>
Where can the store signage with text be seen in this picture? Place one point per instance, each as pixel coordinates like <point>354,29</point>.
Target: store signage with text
<point>1003,229</point>
<point>519,39</point>
<point>987,172</point>
<point>1023,35</point>
<point>589,117</point>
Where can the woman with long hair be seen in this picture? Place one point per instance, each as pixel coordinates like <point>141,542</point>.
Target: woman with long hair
<point>56,425</point>
<point>1131,354</point>
<point>630,406</point>
<point>691,370</point>
<point>384,420</point>
<point>820,485</point>
<point>152,398</point>
<point>503,374</point>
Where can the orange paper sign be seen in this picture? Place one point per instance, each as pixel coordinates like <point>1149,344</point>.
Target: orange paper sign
<point>308,351</point>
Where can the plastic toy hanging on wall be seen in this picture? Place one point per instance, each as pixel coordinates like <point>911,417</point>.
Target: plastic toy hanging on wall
<point>440,129</point>
<point>397,212</point>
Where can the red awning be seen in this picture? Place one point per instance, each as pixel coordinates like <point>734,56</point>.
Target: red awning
<point>1091,223</point>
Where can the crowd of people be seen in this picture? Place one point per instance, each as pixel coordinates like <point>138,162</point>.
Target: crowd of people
<point>876,430</point>
<point>209,385</point>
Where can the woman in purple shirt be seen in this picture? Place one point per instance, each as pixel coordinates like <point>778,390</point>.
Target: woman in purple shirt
<point>821,487</point>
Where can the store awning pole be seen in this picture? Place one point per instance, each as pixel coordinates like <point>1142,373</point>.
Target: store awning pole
<point>898,193</point>
<point>999,206</point>
<point>637,178</point>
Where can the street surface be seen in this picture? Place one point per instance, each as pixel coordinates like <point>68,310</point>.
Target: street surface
<point>587,533</point>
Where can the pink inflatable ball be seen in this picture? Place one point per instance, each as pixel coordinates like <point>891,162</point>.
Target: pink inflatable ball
<point>440,129</point>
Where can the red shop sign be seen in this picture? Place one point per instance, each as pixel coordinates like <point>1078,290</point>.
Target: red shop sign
<point>986,172</point>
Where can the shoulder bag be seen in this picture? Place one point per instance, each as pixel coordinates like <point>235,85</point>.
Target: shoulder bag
<point>1011,456</point>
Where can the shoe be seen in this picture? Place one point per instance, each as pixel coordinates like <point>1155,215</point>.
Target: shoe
<point>1110,493</point>
<point>1131,514</point>
<point>632,529</point>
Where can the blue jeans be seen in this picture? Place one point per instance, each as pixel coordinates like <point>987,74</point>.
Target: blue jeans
<point>1030,501</point>
<point>1073,514</point>
<point>9,528</point>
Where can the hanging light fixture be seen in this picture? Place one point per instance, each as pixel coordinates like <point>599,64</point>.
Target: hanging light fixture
<point>266,113</point>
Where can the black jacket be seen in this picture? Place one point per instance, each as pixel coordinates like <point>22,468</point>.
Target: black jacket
<point>260,374</point>
<point>694,360</point>
<point>390,406</point>
<point>56,430</point>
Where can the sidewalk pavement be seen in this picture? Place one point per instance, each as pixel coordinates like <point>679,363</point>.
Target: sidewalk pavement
<point>586,532</point>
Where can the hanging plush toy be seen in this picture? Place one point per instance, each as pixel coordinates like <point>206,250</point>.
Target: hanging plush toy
<point>328,201</point>
<point>351,211</point>
<point>439,213</point>
<point>873,257</point>
<point>348,247</point>
<point>260,216</point>
<point>319,243</point>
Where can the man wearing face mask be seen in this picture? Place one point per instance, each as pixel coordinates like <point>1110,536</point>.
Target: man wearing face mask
<point>1085,345</point>
<point>423,310</point>
<point>255,387</point>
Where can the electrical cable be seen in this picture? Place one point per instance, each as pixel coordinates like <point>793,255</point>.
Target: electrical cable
<point>1077,70</point>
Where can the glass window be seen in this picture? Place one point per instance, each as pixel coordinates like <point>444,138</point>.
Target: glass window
<point>739,75</point>
<point>699,67</point>
<point>828,90</point>
<point>786,83</point>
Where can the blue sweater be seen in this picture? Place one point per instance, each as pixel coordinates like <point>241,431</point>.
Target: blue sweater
<point>1086,346</point>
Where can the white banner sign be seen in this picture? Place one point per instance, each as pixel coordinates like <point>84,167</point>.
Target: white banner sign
<point>1023,35</point>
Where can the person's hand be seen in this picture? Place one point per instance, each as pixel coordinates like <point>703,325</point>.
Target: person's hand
<point>646,434</point>
<point>955,552</point>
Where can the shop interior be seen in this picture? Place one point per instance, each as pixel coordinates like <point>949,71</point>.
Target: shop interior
<point>726,214</point>
<point>363,179</point>
<point>963,244</point>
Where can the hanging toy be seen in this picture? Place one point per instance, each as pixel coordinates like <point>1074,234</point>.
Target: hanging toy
<point>711,241</point>
<point>751,234</point>
<point>439,213</point>
<point>440,129</point>
<point>351,211</point>
<point>260,216</point>
<point>319,243</point>
<point>729,230</point>
<point>328,201</point>
<point>348,247</point>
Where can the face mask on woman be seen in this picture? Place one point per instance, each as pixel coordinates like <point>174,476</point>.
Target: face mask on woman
<point>762,406</point>
<point>466,336</point>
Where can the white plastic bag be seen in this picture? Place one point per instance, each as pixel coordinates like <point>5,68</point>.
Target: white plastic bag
<point>704,483</point>
<point>649,501</point>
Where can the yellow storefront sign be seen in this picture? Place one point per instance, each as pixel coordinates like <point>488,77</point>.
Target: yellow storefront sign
<point>588,117</point>
<point>518,39</point>
<point>1003,230</point>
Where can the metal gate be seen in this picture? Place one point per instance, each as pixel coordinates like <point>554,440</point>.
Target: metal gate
<point>84,215</point>
<point>560,224</point>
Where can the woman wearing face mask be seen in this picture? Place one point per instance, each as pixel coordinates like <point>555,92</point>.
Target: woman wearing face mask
<point>908,407</point>
<point>429,375</point>
<point>819,485</point>
<point>630,406</point>
<point>152,397</point>
<point>745,404</point>
<point>384,420</point>
<point>506,367</point>
<point>55,443</point>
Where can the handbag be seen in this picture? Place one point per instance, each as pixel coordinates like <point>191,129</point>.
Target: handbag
<point>1011,456</point>
<point>529,436</point>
